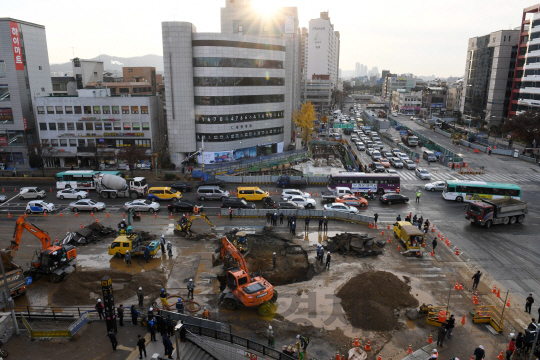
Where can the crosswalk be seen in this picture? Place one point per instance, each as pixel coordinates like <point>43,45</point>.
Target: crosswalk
<point>409,177</point>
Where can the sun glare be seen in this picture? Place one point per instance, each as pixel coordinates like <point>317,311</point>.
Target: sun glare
<point>264,7</point>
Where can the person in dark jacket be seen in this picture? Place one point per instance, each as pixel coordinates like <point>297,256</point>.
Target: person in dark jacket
<point>289,221</point>
<point>441,333</point>
<point>170,325</point>
<point>182,331</point>
<point>320,223</point>
<point>274,259</point>
<point>281,219</point>
<point>180,306</point>
<point>140,296</point>
<point>152,329</point>
<point>142,346</point>
<point>376,217</point>
<point>307,223</point>
<point>121,315</point>
<point>151,314</point>
<point>325,224</point>
<point>99,308</point>
<point>479,353</point>
<point>528,304</point>
<point>134,315</point>
<point>168,347</point>
<point>147,254</point>
<point>398,218</point>
<point>450,323</point>
<point>162,325</point>
<point>434,244</point>
<point>274,219</point>
<point>520,341</point>
<point>328,258</point>
<point>293,228</point>
<point>112,337</point>
<point>476,279</point>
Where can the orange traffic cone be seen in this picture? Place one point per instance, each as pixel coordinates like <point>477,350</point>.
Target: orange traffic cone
<point>472,357</point>
<point>124,215</point>
<point>187,215</point>
<point>382,232</point>
<point>376,227</point>
<point>25,215</point>
<point>389,239</point>
<point>356,343</point>
<point>82,226</point>
<point>475,299</point>
<point>87,191</point>
<point>456,287</point>
<point>410,349</point>
<point>423,244</point>
<point>463,320</point>
<point>316,193</point>
<point>61,215</point>
<point>311,194</point>
<point>15,189</point>
<point>494,289</point>
<point>155,215</point>
<point>171,216</point>
<point>430,340</point>
<point>9,215</point>
<point>398,248</point>
<point>50,189</point>
<point>439,234</point>
<point>367,347</point>
<point>44,214</point>
<point>432,253</point>
<point>479,312</point>
<point>140,214</point>
<point>500,357</point>
<point>457,251</point>
<point>76,214</point>
<point>476,293</point>
<point>433,228</point>
<point>92,213</point>
<point>219,215</point>
<point>499,293</point>
<point>388,227</point>
<point>108,214</point>
<point>380,357</point>
<point>342,357</point>
<point>460,286</point>
<point>337,355</point>
<point>56,240</point>
<point>96,219</point>
<point>508,303</point>
<point>447,243</point>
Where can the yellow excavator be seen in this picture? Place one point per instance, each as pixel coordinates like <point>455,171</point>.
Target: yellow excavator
<point>184,224</point>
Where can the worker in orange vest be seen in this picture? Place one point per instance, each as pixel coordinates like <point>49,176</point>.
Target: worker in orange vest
<point>195,210</point>
<point>206,314</point>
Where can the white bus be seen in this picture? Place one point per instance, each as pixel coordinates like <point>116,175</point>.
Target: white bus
<point>80,179</point>
<point>468,190</point>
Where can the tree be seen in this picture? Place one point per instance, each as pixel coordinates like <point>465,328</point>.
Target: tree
<point>304,119</point>
<point>39,154</point>
<point>132,155</point>
<point>96,156</point>
<point>525,126</point>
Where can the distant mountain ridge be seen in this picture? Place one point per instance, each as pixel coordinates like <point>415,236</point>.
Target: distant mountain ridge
<point>115,63</point>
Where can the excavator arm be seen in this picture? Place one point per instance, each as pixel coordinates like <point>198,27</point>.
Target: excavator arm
<point>20,225</point>
<point>228,248</point>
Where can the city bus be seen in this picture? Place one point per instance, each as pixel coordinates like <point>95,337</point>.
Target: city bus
<point>80,179</point>
<point>360,182</point>
<point>468,190</point>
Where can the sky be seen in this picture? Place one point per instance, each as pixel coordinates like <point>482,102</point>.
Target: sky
<point>423,37</point>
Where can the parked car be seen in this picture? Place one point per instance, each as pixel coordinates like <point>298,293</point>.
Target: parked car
<point>31,193</point>
<point>215,182</point>
<point>142,205</point>
<point>286,194</point>
<point>352,200</point>
<point>87,204</point>
<point>423,174</point>
<point>237,203</point>
<point>287,204</point>
<point>305,202</point>
<point>212,192</point>
<point>384,162</point>
<point>341,207</point>
<point>435,186</point>
<point>40,206</point>
<point>409,164</point>
<point>181,186</point>
<point>163,193</point>
<point>396,162</point>
<point>183,205</point>
<point>71,194</point>
<point>3,198</point>
<point>390,199</point>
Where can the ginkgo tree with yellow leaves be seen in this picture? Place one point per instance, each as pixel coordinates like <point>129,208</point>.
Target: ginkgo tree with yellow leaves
<point>304,119</point>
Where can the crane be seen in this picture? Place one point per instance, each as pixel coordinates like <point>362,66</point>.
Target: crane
<point>192,156</point>
<point>54,260</point>
<point>243,289</point>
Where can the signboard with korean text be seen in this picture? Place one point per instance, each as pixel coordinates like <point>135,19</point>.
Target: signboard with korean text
<point>3,141</point>
<point>24,123</point>
<point>289,24</point>
<point>16,44</point>
<point>6,115</point>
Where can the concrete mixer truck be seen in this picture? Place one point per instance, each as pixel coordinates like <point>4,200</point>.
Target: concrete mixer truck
<point>115,186</point>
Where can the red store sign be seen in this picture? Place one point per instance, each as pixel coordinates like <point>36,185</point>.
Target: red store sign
<point>16,43</point>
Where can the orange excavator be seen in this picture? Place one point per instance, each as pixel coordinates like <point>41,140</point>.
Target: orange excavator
<point>55,260</point>
<point>242,290</point>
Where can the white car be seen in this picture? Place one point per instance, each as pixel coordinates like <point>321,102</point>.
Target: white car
<point>87,204</point>
<point>31,193</point>
<point>396,152</point>
<point>341,207</point>
<point>71,194</point>
<point>306,202</point>
<point>409,164</point>
<point>370,150</point>
<point>361,146</point>
<point>40,206</point>
<point>394,114</point>
<point>378,145</point>
<point>286,194</point>
<point>375,155</point>
<point>403,157</point>
<point>423,174</point>
<point>142,205</point>
<point>435,186</point>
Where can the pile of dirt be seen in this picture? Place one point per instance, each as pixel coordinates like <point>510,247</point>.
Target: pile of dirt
<point>84,287</point>
<point>359,245</point>
<point>369,300</point>
<point>90,234</point>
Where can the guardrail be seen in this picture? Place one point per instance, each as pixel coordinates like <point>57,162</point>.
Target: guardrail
<point>527,158</point>
<point>271,179</point>
<point>442,132</point>
<point>312,214</point>
<point>259,162</point>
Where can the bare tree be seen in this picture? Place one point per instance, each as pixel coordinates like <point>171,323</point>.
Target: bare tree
<point>132,155</point>
<point>39,154</point>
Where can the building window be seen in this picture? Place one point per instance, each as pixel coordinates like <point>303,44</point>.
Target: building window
<point>69,109</point>
<point>107,126</point>
<point>97,110</point>
<point>127,126</point>
<point>61,126</point>
<point>43,126</point>
<point>87,109</point>
<point>116,110</point>
<point>238,100</point>
<point>144,109</point>
<point>41,109</point>
<point>237,62</point>
<point>50,109</point>
<point>125,109</point>
<point>117,125</point>
<point>81,142</point>
<point>95,73</point>
<point>70,126</point>
<point>4,93</point>
<point>119,143</point>
<point>78,110</point>
<point>106,109</point>
<point>134,109</point>
<point>136,126</point>
<point>63,142</point>
<point>80,126</point>
<point>89,126</point>
<point>146,126</point>
<point>72,142</point>
<point>52,126</point>
<point>130,70</point>
<point>240,28</point>
<point>39,67</point>
<point>91,142</point>
<point>2,69</point>
<point>54,142</point>
<point>59,109</point>
<point>76,62</point>
<point>99,126</point>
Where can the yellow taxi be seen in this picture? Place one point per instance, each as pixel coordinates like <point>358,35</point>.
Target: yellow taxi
<point>163,193</point>
<point>252,193</point>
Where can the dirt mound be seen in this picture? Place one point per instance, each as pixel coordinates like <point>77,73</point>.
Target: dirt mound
<point>84,287</point>
<point>369,300</point>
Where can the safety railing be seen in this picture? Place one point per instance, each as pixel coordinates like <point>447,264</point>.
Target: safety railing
<point>54,312</point>
<point>312,214</point>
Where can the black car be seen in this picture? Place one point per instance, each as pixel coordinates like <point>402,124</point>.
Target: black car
<point>288,205</point>
<point>211,182</point>
<point>183,205</point>
<point>393,199</point>
<point>182,187</point>
<point>377,167</point>
<point>268,203</point>
<point>236,203</point>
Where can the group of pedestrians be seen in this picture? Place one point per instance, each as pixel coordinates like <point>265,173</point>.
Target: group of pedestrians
<point>272,218</point>
<point>320,256</point>
<point>323,224</point>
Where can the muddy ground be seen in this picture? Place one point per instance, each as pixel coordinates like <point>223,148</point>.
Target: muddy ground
<point>371,299</point>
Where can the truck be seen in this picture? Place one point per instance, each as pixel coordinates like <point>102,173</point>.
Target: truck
<point>409,139</point>
<point>496,211</point>
<point>285,181</point>
<point>134,243</point>
<point>115,186</point>
<point>331,195</point>
<point>413,239</point>
<point>14,276</point>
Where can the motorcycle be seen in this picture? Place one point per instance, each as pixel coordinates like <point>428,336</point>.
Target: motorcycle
<point>370,196</point>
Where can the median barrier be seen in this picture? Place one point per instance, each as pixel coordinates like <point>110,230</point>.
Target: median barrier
<point>527,158</point>
<point>443,133</point>
<point>502,152</point>
<point>301,213</point>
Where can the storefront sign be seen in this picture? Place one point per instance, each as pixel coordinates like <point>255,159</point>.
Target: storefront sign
<point>90,118</point>
<point>24,123</point>
<point>3,141</point>
<point>6,114</point>
<point>110,119</point>
<point>123,134</point>
<point>16,44</point>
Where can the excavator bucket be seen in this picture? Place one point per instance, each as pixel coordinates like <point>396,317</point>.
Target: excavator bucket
<point>7,258</point>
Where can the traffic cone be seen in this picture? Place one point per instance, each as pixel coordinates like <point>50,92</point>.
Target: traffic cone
<point>342,357</point>
<point>430,340</point>
<point>367,347</point>
<point>316,193</point>
<point>92,213</point>
<point>439,234</point>
<point>460,286</point>
<point>311,194</point>
<point>44,214</point>
<point>508,303</point>
<point>76,214</point>
<point>337,355</point>
<point>475,299</point>
<point>356,343</point>
<point>124,215</point>
<point>50,189</point>
<point>472,357</point>
<point>171,216</point>
<point>398,248</point>
<point>389,239</point>
<point>15,189</point>
<point>479,312</point>
<point>457,251</point>
<point>499,293</point>
<point>140,216</point>
<point>463,320</point>
<point>432,253</point>
<point>476,293</point>
<point>25,215</point>
<point>494,289</point>
<point>61,215</point>
<point>155,215</point>
<point>423,244</point>
<point>9,215</point>
<point>96,219</point>
<point>376,227</point>
<point>219,215</point>
<point>447,243</point>
<point>82,226</point>
<point>500,357</point>
<point>388,227</point>
<point>382,232</point>
<point>456,287</point>
<point>187,215</point>
<point>380,357</point>
<point>410,349</point>
<point>87,191</point>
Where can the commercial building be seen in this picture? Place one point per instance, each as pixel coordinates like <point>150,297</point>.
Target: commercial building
<point>305,35</point>
<point>87,71</point>
<point>408,103</point>
<point>434,100</point>
<point>94,126</point>
<point>393,83</point>
<point>489,72</point>
<point>525,94</point>
<point>455,93</point>
<point>318,90</point>
<point>323,49</point>
<point>232,92</point>
<point>64,85</point>
<point>24,75</point>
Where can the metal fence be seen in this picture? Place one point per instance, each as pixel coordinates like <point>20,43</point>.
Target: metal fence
<point>442,132</point>
<point>198,322</point>
<point>330,214</point>
<point>271,179</point>
<point>527,158</point>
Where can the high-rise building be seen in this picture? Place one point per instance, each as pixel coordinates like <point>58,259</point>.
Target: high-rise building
<point>233,92</point>
<point>489,71</point>
<point>305,34</point>
<point>358,70</point>
<point>525,95</point>
<point>323,49</point>
<point>24,75</point>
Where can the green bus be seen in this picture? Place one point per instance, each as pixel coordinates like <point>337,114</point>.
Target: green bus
<point>468,190</point>
<point>80,179</point>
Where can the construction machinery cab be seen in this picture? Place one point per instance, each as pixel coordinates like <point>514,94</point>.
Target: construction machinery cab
<point>56,256</point>
<point>126,228</point>
<point>240,242</point>
<point>184,224</point>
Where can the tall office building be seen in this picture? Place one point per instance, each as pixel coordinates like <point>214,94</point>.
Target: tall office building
<point>323,49</point>
<point>304,49</point>
<point>489,71</point>
<point>232,92</point>
<point>24,75</point>
<point>358,70</point>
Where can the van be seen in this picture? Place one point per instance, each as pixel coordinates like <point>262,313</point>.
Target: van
<point>252,193</point>
<point>429,156</point>
<point>163,193</point>
<point>211,193</point>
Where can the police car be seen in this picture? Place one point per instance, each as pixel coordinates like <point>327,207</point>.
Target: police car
<point>40,206</point>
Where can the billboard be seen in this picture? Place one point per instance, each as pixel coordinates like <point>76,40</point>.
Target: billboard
<point>6,115</point>
<point>289,24</point>
<point>16,44</point>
